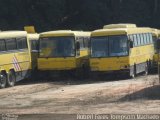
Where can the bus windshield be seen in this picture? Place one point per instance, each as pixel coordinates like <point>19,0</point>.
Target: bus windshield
<point>99,47</point>
<point>110,46</point>
<point>57,47</point>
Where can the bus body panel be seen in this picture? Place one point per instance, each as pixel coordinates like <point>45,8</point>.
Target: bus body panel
<point>17,60</point>
<point>56,63</point>
<point>141,54</point>
<point>137,56</point>
<point>155,60</point>
<point>109,64</point>
<point>156,36</point>
<point>68,63</point>
<point>84,53</point>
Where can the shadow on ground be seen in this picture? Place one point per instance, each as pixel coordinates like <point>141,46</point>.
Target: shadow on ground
<point>68,80</point>
<point>150,93</point>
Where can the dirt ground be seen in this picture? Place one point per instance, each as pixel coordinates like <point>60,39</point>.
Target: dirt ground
<point>132,96</point>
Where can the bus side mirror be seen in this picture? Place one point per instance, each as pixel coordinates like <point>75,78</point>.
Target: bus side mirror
<point>158,44</point>
<point>131,44</point>
<point>77,45</point>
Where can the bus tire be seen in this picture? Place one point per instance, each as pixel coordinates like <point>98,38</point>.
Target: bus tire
<point>3,80</point>
<point>11,79</point>
<point>146,69</point>
<point>79,73</point>
<point>133,73</point>
<point>85,71</point>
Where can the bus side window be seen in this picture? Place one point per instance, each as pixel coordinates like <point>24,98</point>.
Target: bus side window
<point>150,36</point>
<point>86,42</point>
<point>132,39</point>
<point>21,43</point>
<point>147,38</point>
<point>144,38</point>
<point>80,39</point>
<point>135,40</point>
<point>34,45</point>
<point>150,40</point>
<point>139,40</point>
<point>2,45</point>
<point>11,44</point>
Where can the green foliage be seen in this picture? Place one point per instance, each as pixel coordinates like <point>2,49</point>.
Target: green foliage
<point>77,14</point>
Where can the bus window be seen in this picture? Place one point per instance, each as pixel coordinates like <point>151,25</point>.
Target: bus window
<point>139,40</point>
<point>150,37</point>
<point>86,41</point>
<point>118,46</point>
<point>11,44</point>
<point>57,47</point>
<point>135,40</point>
<point>21,43</point>
<point>132,39</point>
<point>2,45</point>
<point>81,43</point>
<point>145,39</point>
<point>142,40</point>
<point>99,47</point>
<point>147,36</point>
<point>34,45</point>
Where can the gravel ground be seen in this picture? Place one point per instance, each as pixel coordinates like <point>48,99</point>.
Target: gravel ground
<point>132,96</point>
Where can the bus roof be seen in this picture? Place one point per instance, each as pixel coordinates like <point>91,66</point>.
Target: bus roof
<point>29,29</point>
<point>64,33</point>
<point>155,32</point>
<point>120,31</point>
<point>121,25</point>
<point>33,36</point>
<point>11,34</point>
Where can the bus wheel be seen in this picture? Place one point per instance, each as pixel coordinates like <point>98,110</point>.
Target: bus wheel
<point>85,71</point>
<point>133,73</point>
<point>11,79</point>
<point>79,74</point>
<point>146,69</point>
<point>3,80</point>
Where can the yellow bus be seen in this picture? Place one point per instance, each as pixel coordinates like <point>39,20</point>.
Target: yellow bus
<point>156,36</point>
<point>33,43</point>
<point>158,52</point>
<point>33,38</point>
<point>63,50</point>
<point>121,48</point>
<point>15,62</point>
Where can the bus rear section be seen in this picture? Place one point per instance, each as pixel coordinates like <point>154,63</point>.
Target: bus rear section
<point>156,36</point>
<point>15,60</point>
<point>33,44</point>
<point>122,49</point>
<point>63,52</point>
<point>33,38</point>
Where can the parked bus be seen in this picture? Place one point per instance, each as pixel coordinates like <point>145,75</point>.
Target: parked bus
<point>121,48</point>
<point>158,52</point>
<point>156,36</point>
<point>33,38</point>
<point>63,50</point>
<point>15,60</point>
<point>33,43</point>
